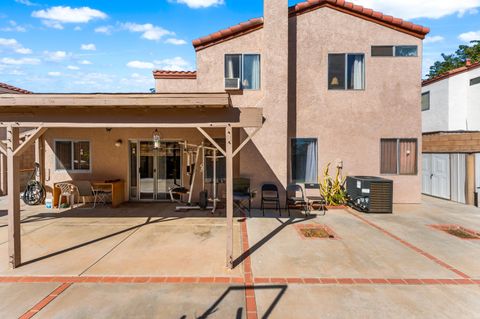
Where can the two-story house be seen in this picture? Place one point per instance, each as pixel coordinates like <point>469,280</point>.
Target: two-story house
<point>336,82</point>
<point>278,97</point>
<point>451,134</point>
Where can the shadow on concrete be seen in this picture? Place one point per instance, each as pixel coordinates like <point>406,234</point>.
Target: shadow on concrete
<point>264,240</point>
<point>136,227</point>
<point>239,314</point>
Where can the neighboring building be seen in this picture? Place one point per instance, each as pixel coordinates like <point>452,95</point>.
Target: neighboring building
<point>451,140</point>
<point>336,82</point>
<point>27,159</point>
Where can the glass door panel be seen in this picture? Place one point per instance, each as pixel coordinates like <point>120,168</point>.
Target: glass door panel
<point>168,164</point>
<point>133,170</point>
<point>147,170</point>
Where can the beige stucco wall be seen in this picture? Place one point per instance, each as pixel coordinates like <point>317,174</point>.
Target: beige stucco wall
<point>347,124</point>
<point>176,85</point>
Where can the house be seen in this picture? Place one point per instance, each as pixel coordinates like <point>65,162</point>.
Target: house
<point>279,97</point>
<point>451,134</point>
<point>27,159</point>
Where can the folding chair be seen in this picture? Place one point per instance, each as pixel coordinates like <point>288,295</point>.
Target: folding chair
<point>270,195</point>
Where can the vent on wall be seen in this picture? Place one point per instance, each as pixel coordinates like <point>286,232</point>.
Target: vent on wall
<point>232,84</point>
<point>371,194</point>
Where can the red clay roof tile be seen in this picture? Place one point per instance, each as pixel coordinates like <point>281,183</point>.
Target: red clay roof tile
<point>14,88</point>
<point>451,73</point>
<point>306,6</point>
<point>166,74</point>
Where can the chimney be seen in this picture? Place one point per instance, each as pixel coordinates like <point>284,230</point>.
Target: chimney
<point>468,63</point>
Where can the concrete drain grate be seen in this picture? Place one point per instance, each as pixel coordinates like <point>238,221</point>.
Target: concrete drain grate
<point>315,231</point>
<point>458,231</point>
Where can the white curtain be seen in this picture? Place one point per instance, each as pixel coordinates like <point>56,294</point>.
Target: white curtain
<point>311,163</point>
<point>229,67</point>
<point>251,71</point>
<point>357,71</point>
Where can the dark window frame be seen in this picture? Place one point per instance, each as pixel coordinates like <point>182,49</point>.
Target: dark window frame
<point>345,69</point>
<point>475,81</point>
<point>425,108</point>
<point>242,68</point>
<point>394,51</point>
<point>72,156</point>
<point>398,157</point>
<point>293,176</point>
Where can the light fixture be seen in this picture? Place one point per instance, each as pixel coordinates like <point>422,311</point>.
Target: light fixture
<point>118,143</point>
<point>156,139</point>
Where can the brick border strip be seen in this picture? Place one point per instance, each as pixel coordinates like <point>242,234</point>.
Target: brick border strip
<point>367,281</point>
<point>122,279</point>
<point>45,301</point>
<point>250,300</point>
<point>409,245</point>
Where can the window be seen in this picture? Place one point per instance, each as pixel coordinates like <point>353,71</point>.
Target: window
<point>395,50</point>
<point>245,67</point>
<point>72,155</point>
<point>426,101</point>
<point>346,71</point>
<point>304,160</point>
<point>398,156</point>
<point>475,81</point>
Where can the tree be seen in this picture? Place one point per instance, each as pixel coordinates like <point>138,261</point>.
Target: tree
<point>457,59</point>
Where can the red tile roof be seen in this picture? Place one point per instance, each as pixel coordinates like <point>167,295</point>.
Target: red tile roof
<point>310,5</point>
<point>14,88</point>
<point>451,73</point>
<point>165,74</point>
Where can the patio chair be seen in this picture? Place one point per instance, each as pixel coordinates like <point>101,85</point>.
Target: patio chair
<point>270,196</point>
<point>241,192</point>
<point>84,189</point>
<point>66,191</point>
<point>102,195</point>
<point>291,198</point>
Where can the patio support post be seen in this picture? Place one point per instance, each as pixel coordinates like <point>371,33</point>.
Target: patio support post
<point>3,174</point>
<point>229,188</point>
<point>13,176</point>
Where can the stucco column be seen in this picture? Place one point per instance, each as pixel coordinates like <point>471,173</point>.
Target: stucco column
<point>13,173</point>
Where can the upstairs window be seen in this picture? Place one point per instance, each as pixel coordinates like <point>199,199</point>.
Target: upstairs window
<point>72,155</point>
<point>426,101</point>
<point>346,71</point>
<point>242,71</point>
<point>475,81</point>
<point>394,50</point>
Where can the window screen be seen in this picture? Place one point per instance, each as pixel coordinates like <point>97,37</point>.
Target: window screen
<point>475,81</point>
<point>406,50</point>
<point>388,160</point>
<point>336,71</point>
<point>63,154</point>
<point>304,160</point>
<point>72,155</point>
<point>81,155</point>
<point>251,72</point>
<point>398,156</point>
<point>425,101</point>
<point>382,50</point>
<point>233,66</point>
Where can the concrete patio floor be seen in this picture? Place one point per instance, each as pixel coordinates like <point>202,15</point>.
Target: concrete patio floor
<point>145,260</point>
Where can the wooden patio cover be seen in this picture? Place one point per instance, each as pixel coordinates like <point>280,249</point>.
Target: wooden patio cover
<point>186,110</point>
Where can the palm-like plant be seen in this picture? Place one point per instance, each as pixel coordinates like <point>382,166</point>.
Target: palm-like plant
<point>333,188</point>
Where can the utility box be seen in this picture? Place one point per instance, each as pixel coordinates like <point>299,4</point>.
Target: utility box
<point>370,194</point>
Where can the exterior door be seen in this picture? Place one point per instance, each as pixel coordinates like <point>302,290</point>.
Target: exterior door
<point>427,174</point>
<point>441,175</point>
<point>147,171</point>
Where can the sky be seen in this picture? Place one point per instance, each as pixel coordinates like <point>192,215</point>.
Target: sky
<point>113,45</point>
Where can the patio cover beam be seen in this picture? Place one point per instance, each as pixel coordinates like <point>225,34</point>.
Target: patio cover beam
<point>249,137</point>
<point>211,140</point>
<point>3,148</point>
<point>29,141</point>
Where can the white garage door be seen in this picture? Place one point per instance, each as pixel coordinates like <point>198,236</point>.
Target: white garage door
<point>436,175</point>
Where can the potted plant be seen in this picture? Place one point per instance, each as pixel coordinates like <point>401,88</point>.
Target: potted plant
<point>332,189</point>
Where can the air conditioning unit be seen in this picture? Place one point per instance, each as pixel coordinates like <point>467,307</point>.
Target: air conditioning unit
<point>370,194</point>
<point>232,84</point>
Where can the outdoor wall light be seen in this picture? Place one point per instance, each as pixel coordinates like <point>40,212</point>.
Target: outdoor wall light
<point>118,143</point>
<point>156,139</point>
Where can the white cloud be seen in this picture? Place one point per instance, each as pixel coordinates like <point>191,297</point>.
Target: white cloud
<point>54,73</point>
<point>140,65</point>
<point>10,61</point>
<point>470,36</point>
<point>14,27</point>
<point>77,28</point>
<point>412,9</point>
<point>73,67</point>
<point>106,29</point>
<point>14,45</point>
<point>148,30</point>
<point>88,47</point>
<point>433,39</point>
<point>56,16</point>
<point>85,62</point>
<point>173,64</point>
<point>195,4</point>
<point>55,55</point>
<point>175,41</point>
<point>26,2</point>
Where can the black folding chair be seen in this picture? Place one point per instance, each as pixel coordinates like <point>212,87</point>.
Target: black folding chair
<point>270,196</point>
<point>293,200</point>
